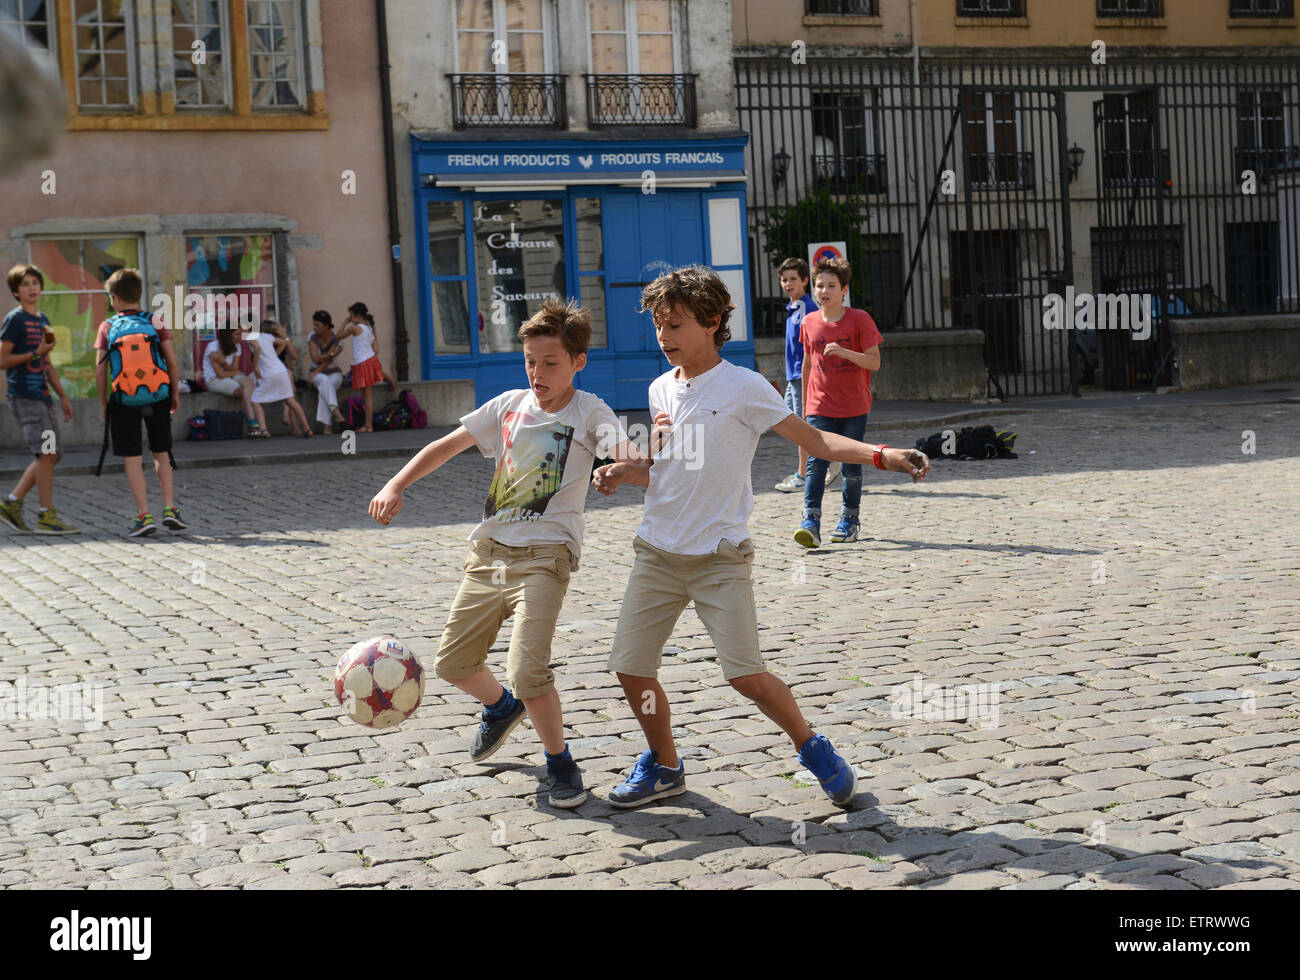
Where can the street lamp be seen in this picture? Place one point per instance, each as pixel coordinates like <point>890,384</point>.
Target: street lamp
<point>1075,153</point>
<point>780,167</point>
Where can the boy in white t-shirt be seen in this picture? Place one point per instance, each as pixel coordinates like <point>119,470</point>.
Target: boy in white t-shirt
<point>545,439</point>
<point>693,543</point>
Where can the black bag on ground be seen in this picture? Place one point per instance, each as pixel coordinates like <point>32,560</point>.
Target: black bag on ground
<point>972,442</point>
<point>223,425</point>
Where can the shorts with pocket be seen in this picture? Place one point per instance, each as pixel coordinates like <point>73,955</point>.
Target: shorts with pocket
<point>528,582</point>
<point>124,424</point>
<point>39,424</point>
<point>662,583</point>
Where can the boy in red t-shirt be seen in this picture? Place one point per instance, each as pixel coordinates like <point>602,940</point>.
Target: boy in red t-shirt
<point>841,349</point>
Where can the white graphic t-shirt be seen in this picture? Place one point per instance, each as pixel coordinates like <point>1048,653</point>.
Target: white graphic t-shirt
<point>700,492</point>
<point>543,467</point>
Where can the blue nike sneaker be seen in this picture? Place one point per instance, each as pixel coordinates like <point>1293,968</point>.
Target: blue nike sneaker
<point>648,781</point>
<point>837,777</point>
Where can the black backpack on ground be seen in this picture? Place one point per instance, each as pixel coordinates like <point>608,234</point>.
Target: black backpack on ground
<point>977,442</point>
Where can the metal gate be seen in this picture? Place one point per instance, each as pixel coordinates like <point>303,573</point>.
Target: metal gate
<point>1131,243</point>
<point>950,183</point>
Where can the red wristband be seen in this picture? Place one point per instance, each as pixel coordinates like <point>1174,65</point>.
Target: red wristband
<point>875,457</point>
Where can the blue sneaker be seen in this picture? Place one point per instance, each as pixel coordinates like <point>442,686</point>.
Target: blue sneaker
<point>649,781</point>
<point>845,531</point>
<point>495,727</point>
<point>836,776</point>
<point>810,533</point>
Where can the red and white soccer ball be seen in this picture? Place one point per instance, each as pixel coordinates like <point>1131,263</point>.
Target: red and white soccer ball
<point>379,682</point>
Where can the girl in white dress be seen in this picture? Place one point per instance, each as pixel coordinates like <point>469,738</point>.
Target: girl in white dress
<point>274,383</point>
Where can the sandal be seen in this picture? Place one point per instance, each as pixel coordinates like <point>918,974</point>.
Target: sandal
<point>306,435</point>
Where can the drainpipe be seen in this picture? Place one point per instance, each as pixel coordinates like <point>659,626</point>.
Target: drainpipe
<point>400,336</point>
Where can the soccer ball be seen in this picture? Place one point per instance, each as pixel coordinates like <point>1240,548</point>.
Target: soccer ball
<point>379,682</point>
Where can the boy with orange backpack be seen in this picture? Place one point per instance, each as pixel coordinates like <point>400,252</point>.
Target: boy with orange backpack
<point>138,378</point>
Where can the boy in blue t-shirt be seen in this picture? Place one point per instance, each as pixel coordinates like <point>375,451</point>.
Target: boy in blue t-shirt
<point>25,345</point>
<point>794,283</point>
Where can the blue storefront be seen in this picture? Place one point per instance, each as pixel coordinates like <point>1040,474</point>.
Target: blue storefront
<point>502,224</point>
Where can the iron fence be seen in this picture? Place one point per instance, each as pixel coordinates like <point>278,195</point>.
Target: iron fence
<point>970,193</point>
<point>508,100</point>
<point>640,100</point>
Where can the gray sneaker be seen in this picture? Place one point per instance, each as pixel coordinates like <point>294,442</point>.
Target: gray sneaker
<point>566,785</point>
<point>493,732</point>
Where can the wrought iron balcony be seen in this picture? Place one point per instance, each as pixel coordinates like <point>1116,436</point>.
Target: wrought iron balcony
<point>1261,8</point>
<point>857,8</point>
<point>1266,159</point>
<point>990,8</point>
<point>508,100</point>
<point>1126,167</point>
<point>1000,171</point>
<point>640,100</point>
<point>843,174</point>
<point>1130,8</point>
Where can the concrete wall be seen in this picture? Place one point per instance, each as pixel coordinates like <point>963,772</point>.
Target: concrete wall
<point>1230,351</point>
<point>445,402</point>
<point>915,365</point>
<point>161,184</point>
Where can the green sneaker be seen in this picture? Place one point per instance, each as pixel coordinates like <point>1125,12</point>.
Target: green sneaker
<point>11,512</point>
<point>172,519</point>
<point>49,523</point>
<point>143,526</point>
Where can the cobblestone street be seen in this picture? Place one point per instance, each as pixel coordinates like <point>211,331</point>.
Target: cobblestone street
<point>1128,593</point>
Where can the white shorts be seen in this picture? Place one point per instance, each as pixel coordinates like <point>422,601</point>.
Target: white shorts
<point>225,386</point>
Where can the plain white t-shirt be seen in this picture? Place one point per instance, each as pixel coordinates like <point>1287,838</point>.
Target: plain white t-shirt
<point>539,488</point>
<point>700,491</point>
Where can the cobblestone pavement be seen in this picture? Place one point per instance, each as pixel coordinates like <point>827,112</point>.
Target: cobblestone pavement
<point>1128,593</point>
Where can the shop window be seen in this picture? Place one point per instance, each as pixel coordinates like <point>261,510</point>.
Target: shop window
<point>449,278</point>
<point>74,299</point>
<point>591,267</point>
<point>519,262</point>
<point>235,275</point>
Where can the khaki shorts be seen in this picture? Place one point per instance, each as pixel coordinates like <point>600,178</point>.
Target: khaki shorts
<point>39,424</point>
<point>529,582</point>
<point>660,586</point>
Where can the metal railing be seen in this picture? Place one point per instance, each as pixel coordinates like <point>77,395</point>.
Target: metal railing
<point>1261,8</point>
<point>1266,159</point>
<point>847,174</point>
<point>1122,168</point>
<point>999,171</point>
<point>508,100</point>
<point>640,100</point>
<point>1130,8</point>
<point>990,8</point>
<point>860,8</point>
<point>957,237</point>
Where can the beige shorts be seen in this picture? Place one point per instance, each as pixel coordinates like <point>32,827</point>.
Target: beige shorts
<point>660,586</point>
<point>529,582</point>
